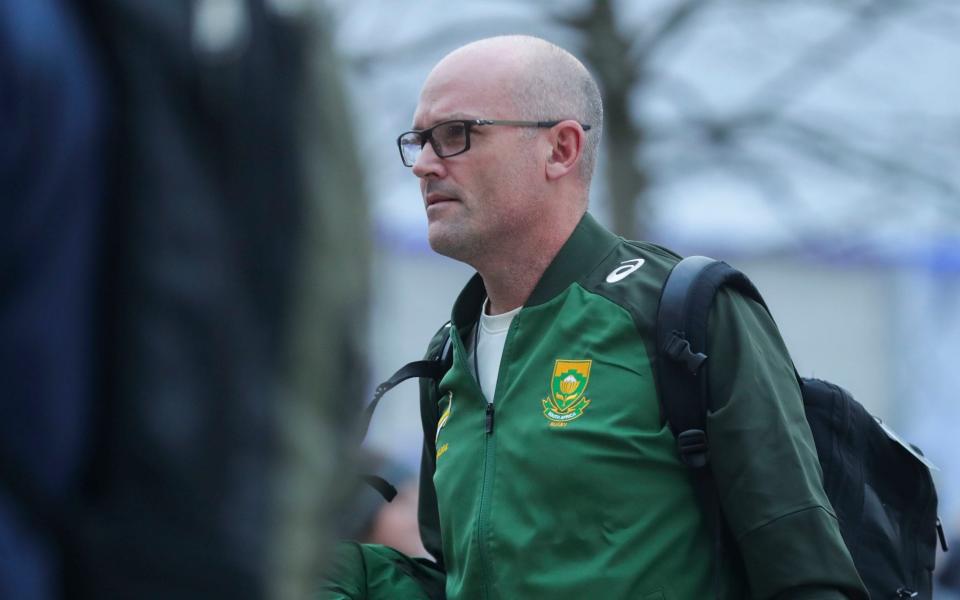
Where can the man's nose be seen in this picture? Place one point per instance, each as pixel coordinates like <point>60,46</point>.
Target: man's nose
<point>428,163</point>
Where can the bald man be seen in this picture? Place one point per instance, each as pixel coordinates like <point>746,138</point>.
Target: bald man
<point>551,473</point>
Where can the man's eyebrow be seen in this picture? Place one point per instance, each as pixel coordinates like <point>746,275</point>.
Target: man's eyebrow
<point>451,117</point>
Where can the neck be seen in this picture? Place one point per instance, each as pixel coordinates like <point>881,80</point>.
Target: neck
<point>508,290</point>
<point>512,275</point>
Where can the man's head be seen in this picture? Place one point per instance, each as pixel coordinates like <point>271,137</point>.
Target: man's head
<point>514,183</point>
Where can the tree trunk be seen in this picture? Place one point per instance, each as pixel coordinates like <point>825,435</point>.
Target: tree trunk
<point>608,53</point>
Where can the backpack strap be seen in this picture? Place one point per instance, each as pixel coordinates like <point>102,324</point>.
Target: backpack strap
<point>682,319</point>
<point>682,316</point>
<point>434,368</point>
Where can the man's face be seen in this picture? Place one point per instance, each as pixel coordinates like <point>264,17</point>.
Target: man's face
<point>478,200</point>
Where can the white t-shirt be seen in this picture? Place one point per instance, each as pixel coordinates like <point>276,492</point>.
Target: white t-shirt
<point>489,348</point>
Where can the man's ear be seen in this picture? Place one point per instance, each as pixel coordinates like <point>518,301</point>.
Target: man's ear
<point>567,142</point>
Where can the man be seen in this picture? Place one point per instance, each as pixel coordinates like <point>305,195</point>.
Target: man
<point>552,473</point>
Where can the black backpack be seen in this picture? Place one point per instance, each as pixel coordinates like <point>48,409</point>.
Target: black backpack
<point>880,487</point>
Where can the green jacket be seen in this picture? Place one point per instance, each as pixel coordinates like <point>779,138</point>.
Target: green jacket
<point>568,485</point>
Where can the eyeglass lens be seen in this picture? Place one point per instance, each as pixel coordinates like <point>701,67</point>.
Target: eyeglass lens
<point>447,139</point>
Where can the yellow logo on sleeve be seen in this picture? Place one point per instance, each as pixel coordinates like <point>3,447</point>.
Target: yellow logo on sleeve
<point>444,417</point>
<point>566,401</point>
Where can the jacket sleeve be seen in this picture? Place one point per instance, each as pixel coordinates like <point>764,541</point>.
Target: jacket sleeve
<point>375,572</point>
<point>765,463</point>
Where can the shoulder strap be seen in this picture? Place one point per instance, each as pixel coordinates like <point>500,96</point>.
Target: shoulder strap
<point>433,368</point>
<point>682,319</point>
<point>682,316</point>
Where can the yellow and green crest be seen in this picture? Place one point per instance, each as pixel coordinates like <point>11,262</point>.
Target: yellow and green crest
<point>566,401</point>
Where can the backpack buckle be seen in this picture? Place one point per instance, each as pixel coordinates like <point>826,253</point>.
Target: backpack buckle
<point>678,348</point>
<point>693,448</point>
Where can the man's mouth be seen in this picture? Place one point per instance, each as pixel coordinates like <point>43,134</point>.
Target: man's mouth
<point>438,198</point>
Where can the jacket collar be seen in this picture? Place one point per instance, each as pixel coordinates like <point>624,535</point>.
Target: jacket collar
<point>586,247</point>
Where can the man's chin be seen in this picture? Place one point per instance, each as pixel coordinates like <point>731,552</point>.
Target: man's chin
<point>441,244</point>
<point>445,241</point>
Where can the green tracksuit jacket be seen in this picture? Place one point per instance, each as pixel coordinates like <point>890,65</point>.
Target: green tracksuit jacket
<point>567,484</point>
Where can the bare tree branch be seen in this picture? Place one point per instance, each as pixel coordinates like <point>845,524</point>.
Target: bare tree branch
<point>449,36</point>
<point>836,151</point>
<point>676,20</point>
<point>772,184</point>
<point>942,21</point>
<point>819,61</point>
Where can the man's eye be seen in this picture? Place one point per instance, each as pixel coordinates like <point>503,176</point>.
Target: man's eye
<point>451,131</point>
<point>412,140</point>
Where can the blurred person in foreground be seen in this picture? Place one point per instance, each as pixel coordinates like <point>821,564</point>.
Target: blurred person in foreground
<point>52,138</point>
<point>525,496</point>
<point>168,332</point>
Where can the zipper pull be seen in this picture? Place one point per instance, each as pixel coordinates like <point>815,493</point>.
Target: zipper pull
<point>489,417</point>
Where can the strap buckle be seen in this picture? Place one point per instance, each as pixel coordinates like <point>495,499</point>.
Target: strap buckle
<point>693,448</point>
<point>678,348</point>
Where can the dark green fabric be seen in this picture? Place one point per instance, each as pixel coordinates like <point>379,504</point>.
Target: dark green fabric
<point>546,509</point>
<point>375,572</point>
<point>812,592</point>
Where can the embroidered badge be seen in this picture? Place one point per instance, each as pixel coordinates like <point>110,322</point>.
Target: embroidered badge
<point>566,401</point>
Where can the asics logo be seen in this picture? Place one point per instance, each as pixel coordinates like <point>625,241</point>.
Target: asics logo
<point>625,268</point>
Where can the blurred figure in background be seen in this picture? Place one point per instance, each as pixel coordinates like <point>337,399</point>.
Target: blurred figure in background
<point>178,364</point>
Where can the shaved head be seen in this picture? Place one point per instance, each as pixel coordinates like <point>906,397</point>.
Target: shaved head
<point>507,191</point>
<point>543,82</point>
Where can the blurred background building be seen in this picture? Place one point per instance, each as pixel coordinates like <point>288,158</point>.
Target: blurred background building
<point>815,145</point>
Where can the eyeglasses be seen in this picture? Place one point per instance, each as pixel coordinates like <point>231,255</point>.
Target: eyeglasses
<point>450,138</point>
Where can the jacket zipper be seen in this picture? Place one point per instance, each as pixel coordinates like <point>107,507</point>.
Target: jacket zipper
<point>483,520</point>
<point>486,489</point>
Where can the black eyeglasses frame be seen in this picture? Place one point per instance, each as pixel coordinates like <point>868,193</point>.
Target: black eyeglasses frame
<point>426,135</point>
